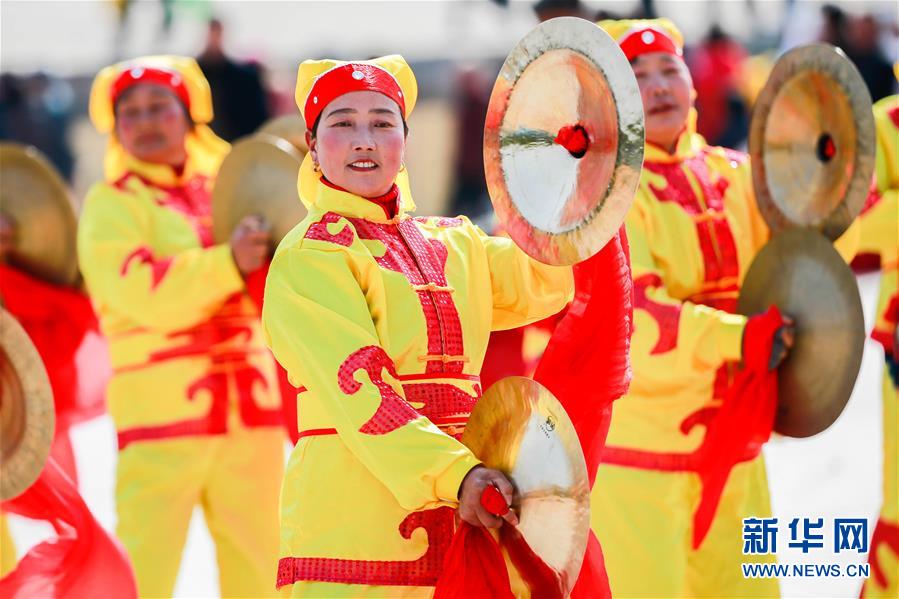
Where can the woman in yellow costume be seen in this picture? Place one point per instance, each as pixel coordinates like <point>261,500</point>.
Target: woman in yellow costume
<point>383,319</point>
<point>693,230</point>
<point>880,235</point>
<point>193,394</point>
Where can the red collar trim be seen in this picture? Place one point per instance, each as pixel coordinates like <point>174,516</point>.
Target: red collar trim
<point>389,202</point>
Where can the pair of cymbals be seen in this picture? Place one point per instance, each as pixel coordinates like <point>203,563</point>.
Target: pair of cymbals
<point>38,215</point>
<point>27,414</point>
<point>812,147</point>
<point>259,177</point>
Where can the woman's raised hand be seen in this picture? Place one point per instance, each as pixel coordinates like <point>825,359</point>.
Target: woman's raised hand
<point>250,243</point>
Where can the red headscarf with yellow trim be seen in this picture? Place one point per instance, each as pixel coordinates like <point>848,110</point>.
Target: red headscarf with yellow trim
<point>642,36</point>
<point>319,82</point>
<point>184,78</point>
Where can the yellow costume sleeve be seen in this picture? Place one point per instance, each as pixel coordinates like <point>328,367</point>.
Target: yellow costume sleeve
<point>318,324</point>
<point>123,268</point>
<point>878,223</point>
<point>524,290</point>
<point>688,336</point>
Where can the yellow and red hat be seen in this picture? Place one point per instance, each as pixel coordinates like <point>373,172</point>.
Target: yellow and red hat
<point>319,82</point>
<point>642,36</point>
<point>162,77</point>
<point>181,75</point>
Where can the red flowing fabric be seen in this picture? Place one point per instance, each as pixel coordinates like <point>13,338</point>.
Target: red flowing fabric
<point>63,327</point>
<point>744,421</point>
<point>82,561</point>
<point>586,366</point>
<point>542,580</point>
<point>886,534</point>
<point>256,290</point>
<point>477,566</point>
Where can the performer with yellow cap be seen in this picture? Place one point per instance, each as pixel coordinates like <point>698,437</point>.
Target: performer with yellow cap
<point>193,394</point>
<point>880,235</point>
<point>383,319</point>
<point>693,230</point>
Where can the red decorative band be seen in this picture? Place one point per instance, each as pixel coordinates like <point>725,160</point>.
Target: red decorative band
<point>426,376</point>
<point>170,80</point>
<point>661,462</point>
<point>646,40</point>
<point>317,432</point>
<point>352,77</point>
<point>188,428</point>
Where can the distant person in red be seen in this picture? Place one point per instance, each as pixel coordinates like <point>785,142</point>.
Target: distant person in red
<point>239,97</point>
<point>472,96</point>
<point>716,65</point>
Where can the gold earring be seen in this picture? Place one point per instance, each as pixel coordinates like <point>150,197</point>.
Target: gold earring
<point>402,167</point>
<point>316,168</point>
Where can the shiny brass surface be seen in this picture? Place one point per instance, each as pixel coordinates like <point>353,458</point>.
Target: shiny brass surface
<point>801,273</point>
<point>258,176</point>
<point>290,127</point>
<point>812,142</point>
<point>35,201</point>
<point>562,206</point>
<point>518,427</point>
<point>27,416</point>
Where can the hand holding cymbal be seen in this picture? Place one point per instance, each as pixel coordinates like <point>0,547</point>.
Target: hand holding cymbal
<point>258,177</point>
<point>250,243</point>
<point>784,340</point>
<point>481,495</point>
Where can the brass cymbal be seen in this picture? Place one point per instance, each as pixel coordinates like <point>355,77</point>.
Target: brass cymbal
<point>563,141</point>
<point>801,273</point>
<point>519,428</point>
<point>27,416</point>
<point>258,176</point>
<point>287,126</point>
<point>35,199</point>
<point>812,142</point>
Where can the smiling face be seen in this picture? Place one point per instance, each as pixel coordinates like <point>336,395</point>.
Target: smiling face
<point>359,143</point>
<point>151,123</point>
<point>667,92</point>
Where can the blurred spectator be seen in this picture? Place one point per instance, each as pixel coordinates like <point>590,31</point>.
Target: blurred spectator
<point>859,37</point>
<point>239,98</point>
<point>36,110</point>
<point>647,10</point>
<point>865,52</point>
<point>470,196</point>
<point>550,9</point>
<point>833,29</point>
<point>716,65</point>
